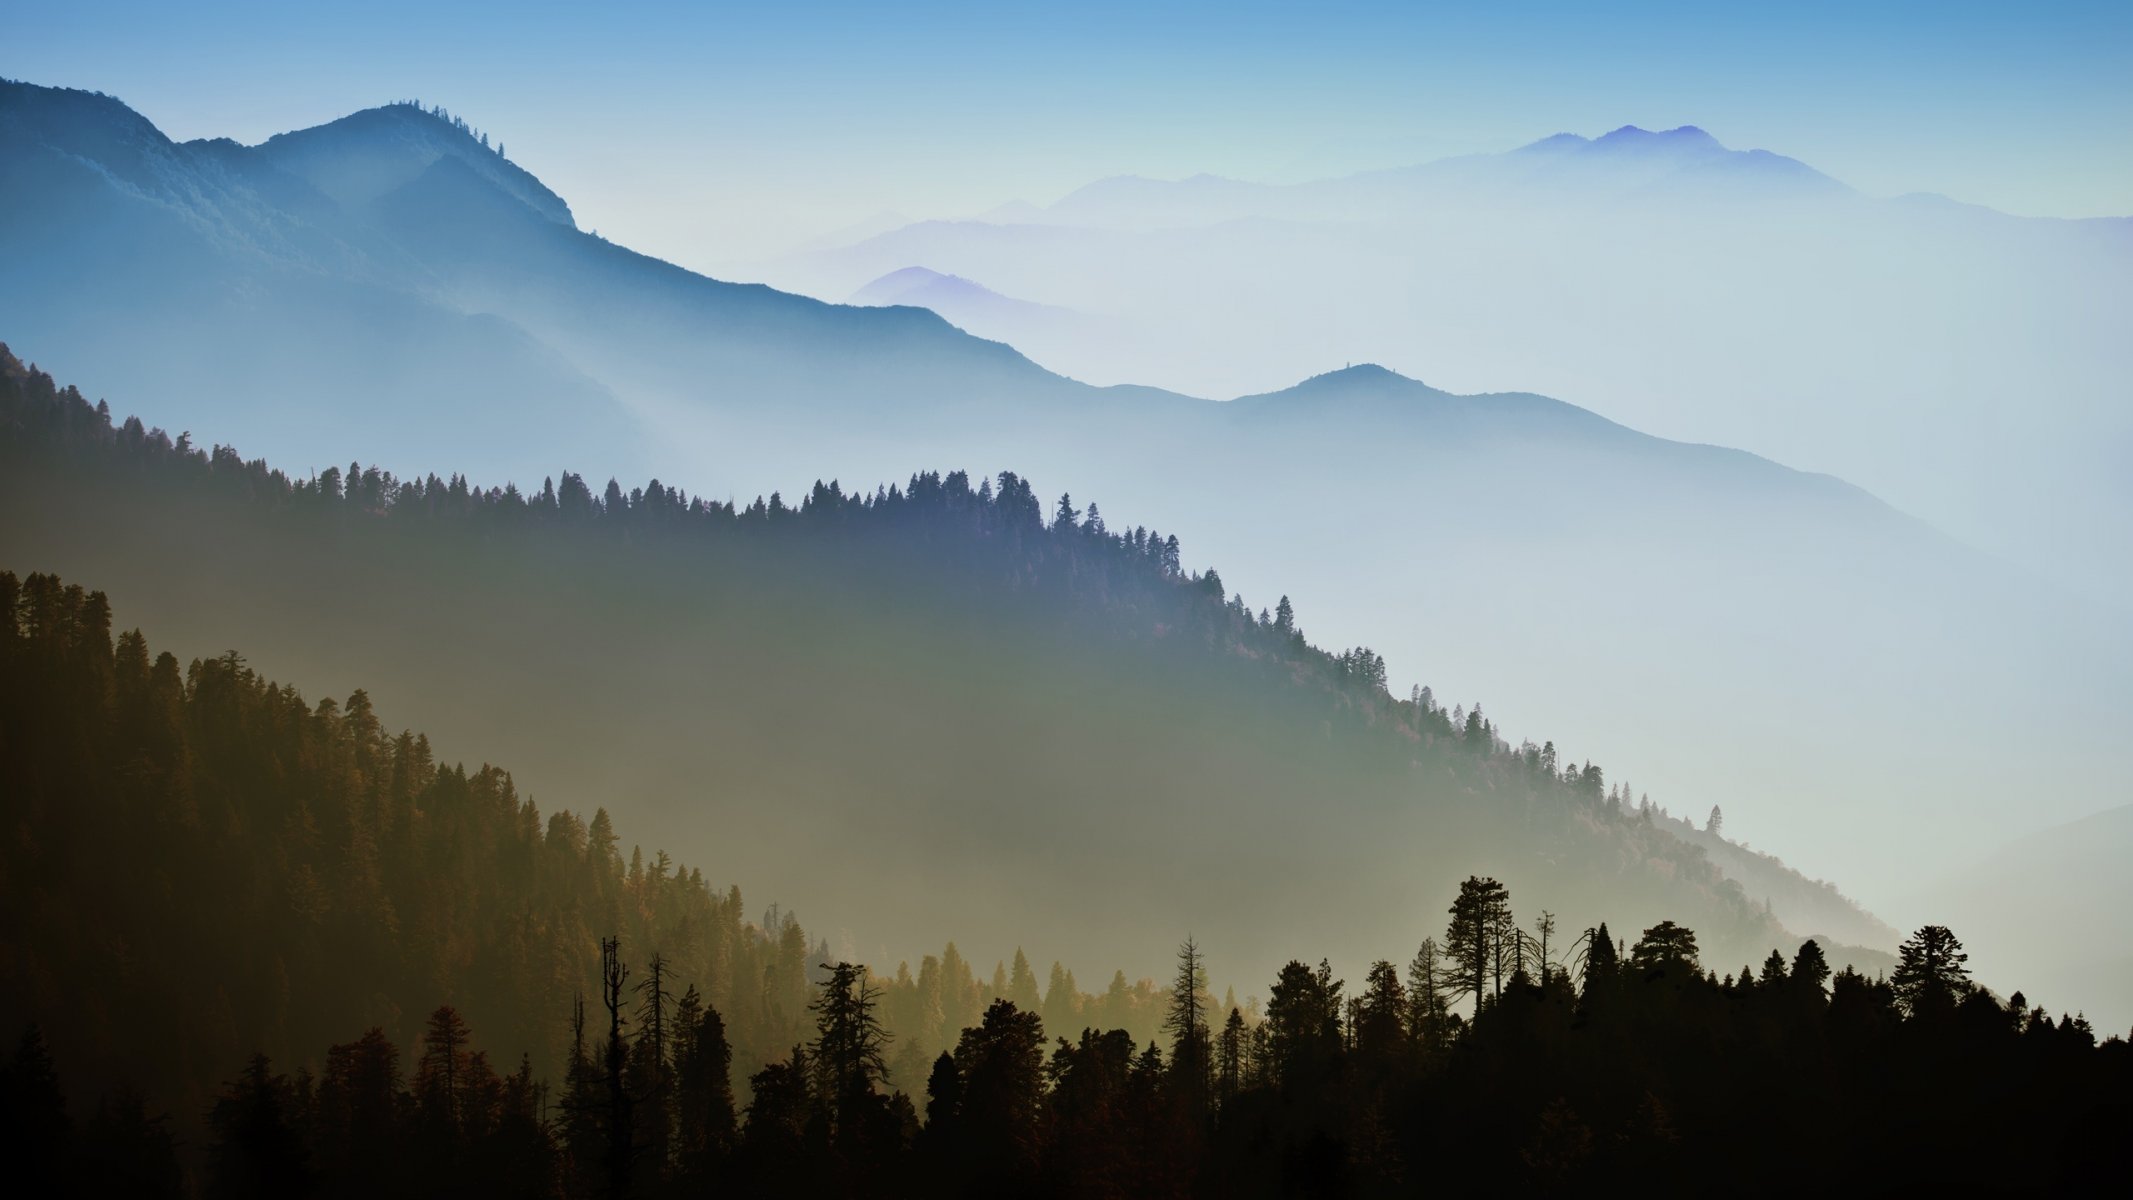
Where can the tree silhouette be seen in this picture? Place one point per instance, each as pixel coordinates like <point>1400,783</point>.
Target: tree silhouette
<point>1930,976</point>
<point>849,1041</point>
<point>1666,948</point>
<point>1186,1022</point>
<point>1473,941</point>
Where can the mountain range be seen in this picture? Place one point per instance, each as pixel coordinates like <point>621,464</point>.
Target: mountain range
<point>1048,724</point>
<point>1041,331</point>
<point>1964,364</point>
<point>388,288</point>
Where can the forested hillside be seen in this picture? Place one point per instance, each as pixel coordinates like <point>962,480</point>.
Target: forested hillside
<point>388,288</point>
<point>213,880</point>
<point>207,865</point>
<point>199,863</point>
<point>931,682</point>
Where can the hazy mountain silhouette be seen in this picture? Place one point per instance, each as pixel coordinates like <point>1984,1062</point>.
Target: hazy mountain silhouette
<point>1056,725</point>
<point>1731,296</point>
<point>1626,160</point>
<point>921,288</point>
<point>1044,332</point>
<point>388,289</point>
<point>309,290</point>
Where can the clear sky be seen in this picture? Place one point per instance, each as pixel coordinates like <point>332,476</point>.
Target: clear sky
<point>709,133</point>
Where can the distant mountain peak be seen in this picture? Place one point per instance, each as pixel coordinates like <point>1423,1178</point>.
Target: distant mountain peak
<point>1362,372</point>
<point>1558,141</point>
<point>1681,137</point>
<point>953,297</point>
<point>915,275</point>
<point>366,154</point>
<point>1351,379</point>
<point>919,287</point>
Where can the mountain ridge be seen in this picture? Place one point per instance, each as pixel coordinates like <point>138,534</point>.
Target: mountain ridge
<point>427,332</point>
<point>1089,604</point>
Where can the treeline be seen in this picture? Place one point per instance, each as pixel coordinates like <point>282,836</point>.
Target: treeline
<point>198,863</point>
<point>932,662</point>
<point>1074,564</point>
<point>1498,1062</point>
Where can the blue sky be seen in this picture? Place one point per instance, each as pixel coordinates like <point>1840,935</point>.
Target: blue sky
<point>709,133</point>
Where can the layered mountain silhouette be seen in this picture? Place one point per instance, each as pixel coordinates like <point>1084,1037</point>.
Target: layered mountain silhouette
<point>914,714</point>
<point>388,271</point>
<point>1964,364</point>
<point>1044,332</point>
<point>1655,165</point>
<point>388,289</point>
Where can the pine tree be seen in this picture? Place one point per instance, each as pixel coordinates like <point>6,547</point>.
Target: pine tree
<point>1474,940</point>
<point>1230,1052</point>
<point>1930,976</point>
<point>1427,1007</point>
<point>703,1086</point>
<point>440,1074</point>
<point>1810,970</point>
<point>849,1042</point>
<point>1186,1022</point>
<point>651,1072</point>
<point>1668,948</point>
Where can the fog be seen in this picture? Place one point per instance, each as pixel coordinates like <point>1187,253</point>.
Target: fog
<point>1966,366</point>
<point>1878,685</point>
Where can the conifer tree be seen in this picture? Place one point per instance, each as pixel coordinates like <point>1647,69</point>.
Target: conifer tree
<point>1186,1022</point>
<point>849,1042</point>
<point>1930,976</point>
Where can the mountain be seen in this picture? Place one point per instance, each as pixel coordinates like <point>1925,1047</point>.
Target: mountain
<point>1651,166</point>
<point>388,269</point>
<point>1037,330</point>
<point>1057,725</point>
<point>220,872</point>
<point>1962,363</point>
<point>921,288</point>
<point>1673,608</point>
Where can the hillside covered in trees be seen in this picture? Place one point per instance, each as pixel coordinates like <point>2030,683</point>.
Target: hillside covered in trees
<point>214,880</point>
<point>201,864</point>
<point>934,682</point>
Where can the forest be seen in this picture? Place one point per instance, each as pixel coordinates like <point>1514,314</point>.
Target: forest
<point>1007,696</point>
<point>199,861</point>
<point>263,945</point>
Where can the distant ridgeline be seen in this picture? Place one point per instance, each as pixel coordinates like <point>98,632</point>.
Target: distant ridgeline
<point>930,682</point>
<point>199,863</point>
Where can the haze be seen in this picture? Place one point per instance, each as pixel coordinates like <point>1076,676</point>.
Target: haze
<point>1737,402</point>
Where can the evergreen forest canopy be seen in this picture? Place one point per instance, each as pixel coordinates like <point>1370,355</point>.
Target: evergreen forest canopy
<point>385,288</point>
<point>933,680</point>
<point>209,866</point>
<point>203,860</point>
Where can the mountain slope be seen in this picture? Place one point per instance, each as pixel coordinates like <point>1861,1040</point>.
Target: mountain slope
<point>1042,331</point>
<point>283,290</point>
<point>1964,364</point>
<point>1056,728</point>
<point>1678,608</point>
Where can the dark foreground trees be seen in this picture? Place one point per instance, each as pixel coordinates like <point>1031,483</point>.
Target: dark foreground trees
<point>222,802</point>
<point>1659,1080</point>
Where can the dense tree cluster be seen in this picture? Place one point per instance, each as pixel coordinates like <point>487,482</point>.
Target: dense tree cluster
<point>200,863</point>
<point>1612,1065</point>
<point>290,868</point>
<point>1129,578</point>
<point>203,866</point>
